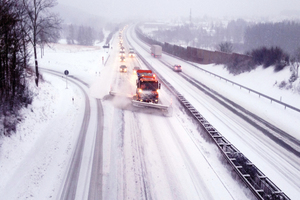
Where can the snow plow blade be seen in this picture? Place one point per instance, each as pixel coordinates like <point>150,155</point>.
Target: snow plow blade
<point>151,105</point>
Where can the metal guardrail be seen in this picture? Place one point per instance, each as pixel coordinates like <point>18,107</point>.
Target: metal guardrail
<point>241,86</point>
<point>260,185</point>
<point>249,89</point>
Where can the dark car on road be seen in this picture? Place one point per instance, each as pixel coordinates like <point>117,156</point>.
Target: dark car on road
<point>177,68</point>
<point>123,68</point>
<point>122,58</point>
<point>135,69</point>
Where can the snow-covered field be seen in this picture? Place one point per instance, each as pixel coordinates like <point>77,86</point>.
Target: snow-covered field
<point>33,162</point>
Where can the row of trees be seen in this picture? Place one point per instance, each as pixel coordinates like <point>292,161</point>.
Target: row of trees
<point>282,34</point>
<point>83,35</point>
<point>275,44</point>
<point>23,24</point>
<point>13,62</point>
<point>244,36</point>
<point>261,55</point>
<point>201,36</point>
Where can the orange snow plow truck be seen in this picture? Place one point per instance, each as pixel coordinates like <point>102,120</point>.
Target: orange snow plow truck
<point>147,86</point>
<point>147,91</point>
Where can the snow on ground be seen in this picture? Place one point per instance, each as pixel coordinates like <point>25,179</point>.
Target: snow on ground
<point>45,149</point>
<point>265,81</point>
<point>160,158</point>
<point>236,130</point>
<point>45,138</point>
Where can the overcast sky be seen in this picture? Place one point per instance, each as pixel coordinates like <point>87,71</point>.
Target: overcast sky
<point>119,9</point>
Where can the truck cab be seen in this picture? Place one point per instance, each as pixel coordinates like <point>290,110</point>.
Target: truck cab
<point>147,86</point>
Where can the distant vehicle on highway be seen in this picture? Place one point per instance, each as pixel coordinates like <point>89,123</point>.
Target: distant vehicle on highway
<point>156,51</point>
<point>123,68</point>
<point>131,53</point>
<point>122,58</point>
<point>122,53</point>
<point>135,69</point>
<point>177,68</point>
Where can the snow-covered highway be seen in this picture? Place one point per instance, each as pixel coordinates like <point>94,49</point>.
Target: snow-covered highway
<point>150,156</point>
<point>126,152</point>
<point>274,160</point>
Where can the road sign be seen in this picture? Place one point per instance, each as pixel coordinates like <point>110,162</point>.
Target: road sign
<point>66,72</point>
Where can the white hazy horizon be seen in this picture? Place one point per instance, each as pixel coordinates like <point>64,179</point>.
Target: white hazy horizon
<point>157,9</point>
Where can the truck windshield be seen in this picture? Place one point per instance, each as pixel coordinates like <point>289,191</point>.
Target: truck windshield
<point>149,85</point>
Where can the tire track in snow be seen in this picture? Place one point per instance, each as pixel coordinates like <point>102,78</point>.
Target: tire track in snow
<point>203,189</point>
<point>137,142</point>
<point>116,182</point>
<point>70,186</point>
<point>179,142</point>
<point>171,178</point>
<point>281,165</point>
<point>71,181</point>
<point>95,190</point>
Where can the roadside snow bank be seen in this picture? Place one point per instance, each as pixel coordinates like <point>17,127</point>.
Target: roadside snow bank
<point>29,160</point>
<point>265,81</point>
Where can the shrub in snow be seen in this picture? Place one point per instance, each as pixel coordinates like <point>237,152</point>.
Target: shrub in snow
<point>225,47</point>
<point>298,88</point>
<point>236,66</point>
<point>272,56</point>
<point>279,66</point>
<point>282,84</point>
<point>293,78</point>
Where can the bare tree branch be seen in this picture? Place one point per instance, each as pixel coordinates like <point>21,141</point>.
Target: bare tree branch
<point>43,24</point>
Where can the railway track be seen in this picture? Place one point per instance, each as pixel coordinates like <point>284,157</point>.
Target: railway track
<point>260,185</point>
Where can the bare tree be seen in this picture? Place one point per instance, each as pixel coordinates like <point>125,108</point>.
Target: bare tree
<point>14,93</point>
<point>295,60</point>
<point>225,47</point>
<point>71,34</point>
<point>43,25</point>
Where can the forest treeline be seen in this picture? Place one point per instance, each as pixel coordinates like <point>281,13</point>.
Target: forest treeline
<point>87,35</point>
<point>83,35</point>
<point>282,34</point>
<point>24,24</point>
<point>243,35</point>
<point>268,44</point>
